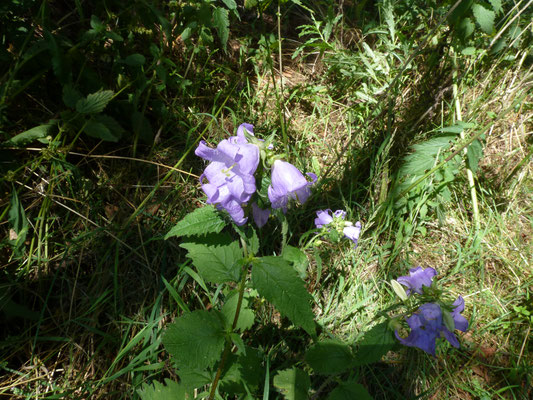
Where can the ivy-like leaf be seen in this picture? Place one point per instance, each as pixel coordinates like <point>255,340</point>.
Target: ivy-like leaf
<point>375,344</point>
<point>349,391</point>
<point>158,391</point>
<point>217,264</point>
<point>196,340</point>
<point>221,23</point>
<point>329,357</point>
<point>200,222</point>
<point>95,102</point>
<point>484,17</point>
<point>293,384</point>
<point>279,283</point>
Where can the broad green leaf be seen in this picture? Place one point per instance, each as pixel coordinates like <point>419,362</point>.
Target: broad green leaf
<point>474,154</point>
<point>329,357</point>
<point>95,102</point>
<point>484,17</point>
<point>221,23</point>
<point>424,156</point>
<point>217,264</point>
<point>297,258</point>
<point>244,369</point>
<point>496,5</point>
<point>293,384</point>
<point>111,124</point>
<point>200,222</point>
<point>158,391</point>
<point>349,391</point>
<point>250,3</point>
<point>32,134</point>
<point>279,283</point>
<point>135,60</point>
<point>98,130</point>
<point>196,340</point>
<point>246,315</point>
<point>466,28</point>
<point>377,342</point>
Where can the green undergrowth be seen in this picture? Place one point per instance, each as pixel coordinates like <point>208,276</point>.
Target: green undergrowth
<point>396,106</point>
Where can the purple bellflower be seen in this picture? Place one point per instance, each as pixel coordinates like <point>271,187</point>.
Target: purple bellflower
<point>230,179</point>
<point>417,278</point>
<point>288,183</point>
<point>324,217</point>
<point>427,325</point>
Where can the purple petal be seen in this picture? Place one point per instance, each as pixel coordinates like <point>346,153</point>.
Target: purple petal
<point>235,211</point>
<point>450,337</point>
<point>340,214</point>
<point>323,218</point>
<point>418,277</point>
<point>241,128</point>
<point>461,322</point>
<point>207,153</point>
<point>352,232</point>
<point>260,215</point>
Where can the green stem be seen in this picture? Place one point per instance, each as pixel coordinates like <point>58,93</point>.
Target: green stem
<point>227,347</point>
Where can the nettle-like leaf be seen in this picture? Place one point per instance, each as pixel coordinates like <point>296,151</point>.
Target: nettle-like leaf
<point>293,384</point>
<point>329,357</point>
<point>221,23</point>
<point>246,315</point>
<point>196,340</point>
<point>99,130</point>
<point>280,284</point>
<point>425,154</point>
<point>484,17</point>
<point>244,371</point>
<point>297,258</point>
<point>32,134</point>
<point>95,102</point>
<point>200,222</point>
<point>377,342</point>
<point>349,391</point>
<point>217,264</point>
<point>157,391</point>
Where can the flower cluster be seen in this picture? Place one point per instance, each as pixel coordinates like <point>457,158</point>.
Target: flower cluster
<point>433,319</point>
<point>336,221</point>
<point>229,179</point>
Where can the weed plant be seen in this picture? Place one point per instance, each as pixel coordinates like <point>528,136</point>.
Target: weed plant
<point>416,117</point>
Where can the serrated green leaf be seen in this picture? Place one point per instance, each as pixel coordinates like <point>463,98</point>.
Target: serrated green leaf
<point>200,222</point>
<point>377,342</point>
<point>297,258</point>
<point>329,357</point>
<point>244,369</point>
<point>293,384</point>
<point>95,102</point>
<point>484,17</point>
<point>196,340</point>
<point>217,264</point>
<point>221,23</point>
<point>349,391</point>
<point>135,60</point>
<point>19,224</point>
<point>250,3</point>
<point>158,391</point>
<point>474,153</point>
<point>246,315</point>
<point>280,284</point>
<point>100,131</point>
<point>32,134</point>
<point>425,154</point>
<point>111,124</point>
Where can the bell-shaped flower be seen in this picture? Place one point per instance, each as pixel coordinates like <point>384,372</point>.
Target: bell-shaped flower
<point>288,183</point>
<point>260,215</point>
<point>417,278</point>
<point>230,180</point>
<point>427,325</point>
<point>350,231</point>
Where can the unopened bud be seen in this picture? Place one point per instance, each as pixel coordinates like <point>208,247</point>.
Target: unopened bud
<point>398,289</point>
